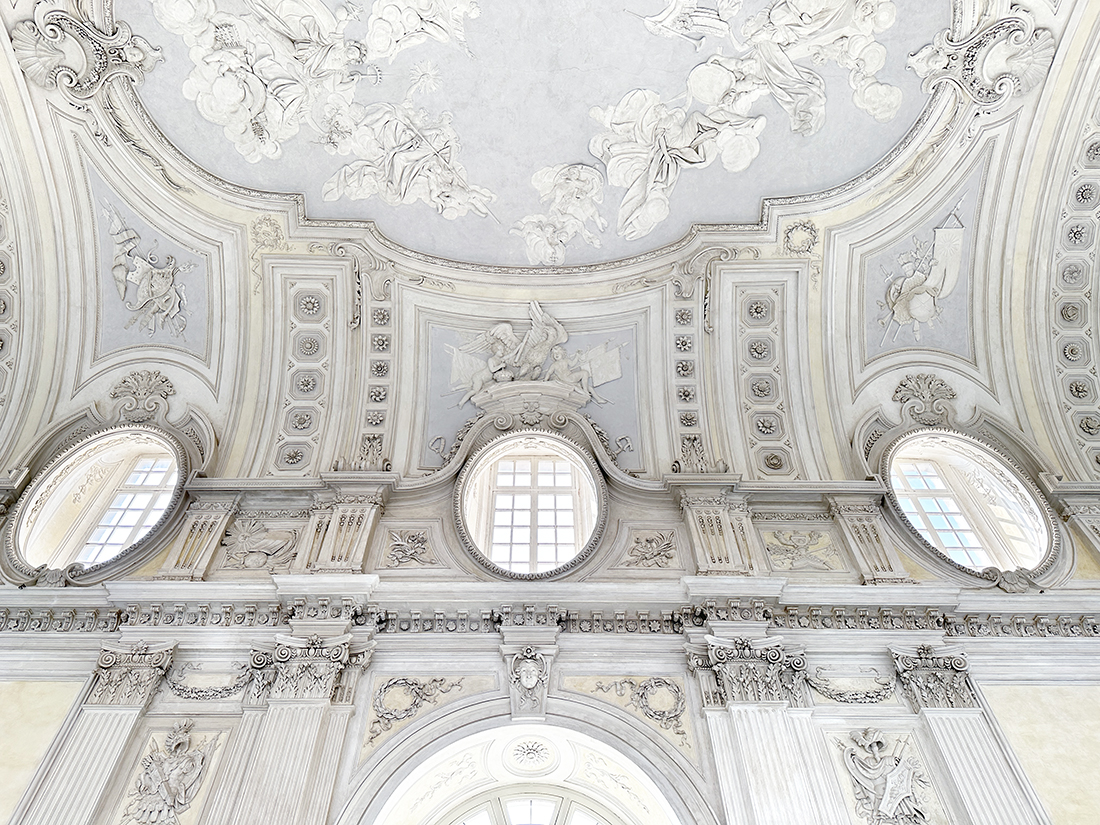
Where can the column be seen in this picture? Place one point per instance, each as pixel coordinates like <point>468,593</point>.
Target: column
<point>771,765</point>
<point>76,770</point>
<point>937,684</point>
<point>290,777</point>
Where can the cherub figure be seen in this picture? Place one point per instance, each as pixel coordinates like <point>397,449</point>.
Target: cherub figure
<point>566,369</point>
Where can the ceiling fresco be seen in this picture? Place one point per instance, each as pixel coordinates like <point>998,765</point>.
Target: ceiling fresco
<point>537,133</point>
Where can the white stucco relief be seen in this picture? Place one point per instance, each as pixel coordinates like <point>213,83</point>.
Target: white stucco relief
<point>266,72</point>
<point>645,143</point>
<point>157,300</point>
<point>535,117</point>
<point>539,355</point>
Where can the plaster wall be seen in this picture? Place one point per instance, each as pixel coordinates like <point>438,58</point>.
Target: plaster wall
<point>1055,732</point>
<point>30,715</point>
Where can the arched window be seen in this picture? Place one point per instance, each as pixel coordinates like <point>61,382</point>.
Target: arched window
<point>97,499</point>
<point>533,808</point>
<point>968,503</point>
<point>529,505</point>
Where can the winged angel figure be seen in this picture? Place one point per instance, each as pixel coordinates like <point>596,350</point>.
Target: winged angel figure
<point>170,778</point>
<point>512,358</point>
<point>645,143</point>
<point>160,302</point>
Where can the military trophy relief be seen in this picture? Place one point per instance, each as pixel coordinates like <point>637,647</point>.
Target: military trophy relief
<point>801,551</point>
<point>884,779</point>
<point>152,290</point>
<point>172,780</point>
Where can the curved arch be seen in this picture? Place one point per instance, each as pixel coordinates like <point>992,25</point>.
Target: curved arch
<point>665,781</point>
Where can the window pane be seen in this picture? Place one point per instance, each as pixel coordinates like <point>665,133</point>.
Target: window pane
<point>530,811</point>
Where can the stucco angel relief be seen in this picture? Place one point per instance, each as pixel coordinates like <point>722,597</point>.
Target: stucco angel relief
<point>646,143</point>
<point>266,70</point>
<point>573,193</point>
<point>396,25</point>
<point>406,155</point>
<point>538,355</point>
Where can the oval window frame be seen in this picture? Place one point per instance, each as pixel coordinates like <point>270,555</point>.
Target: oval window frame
<point>469,469</point>
<point>1055,545</point>
<point>77,573</point>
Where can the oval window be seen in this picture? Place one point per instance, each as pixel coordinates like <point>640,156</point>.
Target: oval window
<point>530,505</point>
<point>98,499</point>
<point>968,503</point>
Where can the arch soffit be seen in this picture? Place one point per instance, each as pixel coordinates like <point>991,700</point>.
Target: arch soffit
<point>395,776</point>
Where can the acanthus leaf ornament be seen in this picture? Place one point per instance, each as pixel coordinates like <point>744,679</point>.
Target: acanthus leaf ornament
<point>749,670</point>
<point>934,677</point>
<point>144,395</point>
<point>926,398</point>
<point>129,675</point>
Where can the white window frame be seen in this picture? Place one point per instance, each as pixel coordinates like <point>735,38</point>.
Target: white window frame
<point>536,492</point>
<point>1011,527</point>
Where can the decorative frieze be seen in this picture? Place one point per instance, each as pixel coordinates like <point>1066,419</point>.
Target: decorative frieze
<point>129,675</point>
<point>934,678</point>
<point>662,621</point>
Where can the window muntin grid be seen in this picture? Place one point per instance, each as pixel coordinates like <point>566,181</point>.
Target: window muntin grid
<point>938,518</point>
<point>535,505</point>
<point>64,516</point>
<point>137,505</point>
<point>532,809</point>
<point>963,502</point>
<point>529,504</point>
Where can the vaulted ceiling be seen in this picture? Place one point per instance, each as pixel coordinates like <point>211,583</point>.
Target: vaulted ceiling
<point>767,232</point>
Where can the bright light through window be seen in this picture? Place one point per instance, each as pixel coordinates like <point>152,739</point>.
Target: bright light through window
<point>98,499</point>
<point>530,505</point>
<point>532,808</point>
<point>967,503</point>
<point>530,811</point>
<point>140,502</point>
